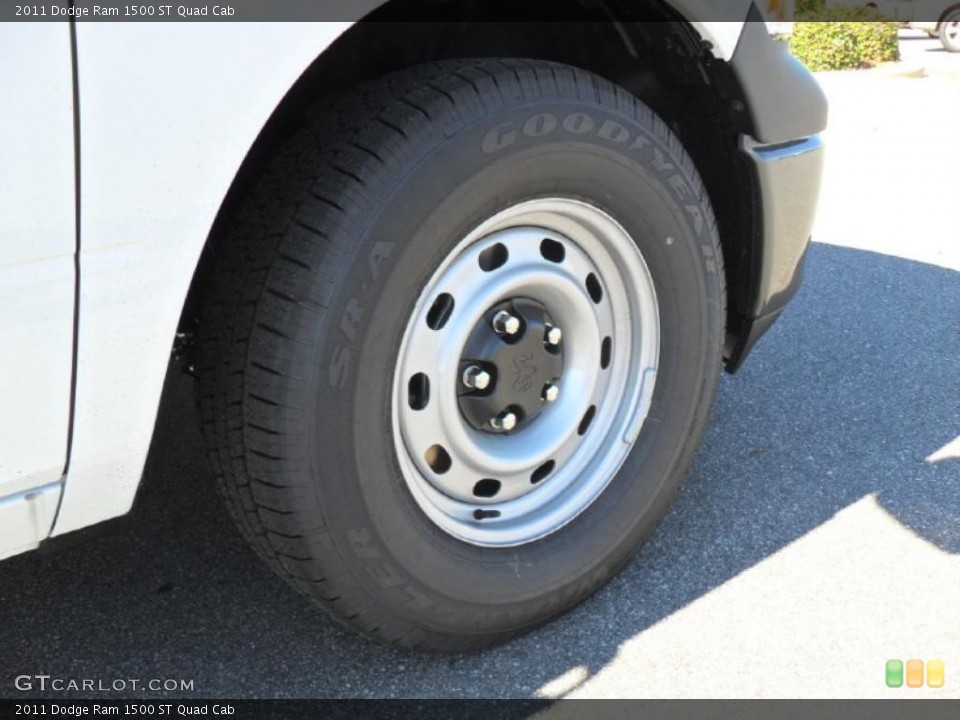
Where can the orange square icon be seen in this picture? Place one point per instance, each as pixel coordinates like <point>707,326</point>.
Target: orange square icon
<point>914,673</point>
<point>935,673</point>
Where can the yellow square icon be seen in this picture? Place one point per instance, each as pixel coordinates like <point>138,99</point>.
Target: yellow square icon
<point>914,673</point>
<point>935,673</point>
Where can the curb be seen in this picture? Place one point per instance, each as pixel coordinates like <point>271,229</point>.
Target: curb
<point>902,69</point>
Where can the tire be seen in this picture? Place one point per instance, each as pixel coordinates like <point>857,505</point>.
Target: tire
<point>330,266</point>
<point>950,31</point>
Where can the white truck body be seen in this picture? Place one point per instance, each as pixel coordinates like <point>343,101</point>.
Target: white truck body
<point>167,113</point>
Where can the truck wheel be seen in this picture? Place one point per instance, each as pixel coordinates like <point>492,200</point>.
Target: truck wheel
<point>461,347</point>
<point>950,31</point>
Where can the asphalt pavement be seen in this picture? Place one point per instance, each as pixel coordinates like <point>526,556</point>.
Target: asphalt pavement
<point>818,534</point>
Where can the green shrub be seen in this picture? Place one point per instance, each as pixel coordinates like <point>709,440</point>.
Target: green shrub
<point>878,41</point>
<point>805,7</point>
<point>825,46</point>
<point>843,38</point>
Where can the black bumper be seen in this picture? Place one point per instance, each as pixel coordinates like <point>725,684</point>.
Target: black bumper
<point>784,153</point>
<point>788,181</point>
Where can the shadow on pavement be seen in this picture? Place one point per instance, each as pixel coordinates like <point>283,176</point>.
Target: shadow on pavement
<point>848,395</point>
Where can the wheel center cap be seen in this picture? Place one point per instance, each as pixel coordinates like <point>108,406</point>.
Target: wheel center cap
<point>511,366</point>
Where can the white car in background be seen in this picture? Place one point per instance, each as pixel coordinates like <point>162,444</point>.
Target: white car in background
<point>938,18</point>
<point>947,28</point>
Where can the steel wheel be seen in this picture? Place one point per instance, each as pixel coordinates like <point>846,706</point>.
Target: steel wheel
<point>525,372</point>
<point>453,392</point>
<point>950,32</point>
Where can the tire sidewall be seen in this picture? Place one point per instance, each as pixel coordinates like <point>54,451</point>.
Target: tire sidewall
<point>954,46</point>
<point>444,188</point>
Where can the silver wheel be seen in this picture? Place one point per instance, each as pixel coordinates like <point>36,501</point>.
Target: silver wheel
<point>547,306</point>
<point>950,32</point>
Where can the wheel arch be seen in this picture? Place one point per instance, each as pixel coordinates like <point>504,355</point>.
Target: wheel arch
<point>148,236</point>
<point>653,52</point>
<point>945,13</point>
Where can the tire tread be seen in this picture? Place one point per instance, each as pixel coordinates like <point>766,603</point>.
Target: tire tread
<point>277,270</point>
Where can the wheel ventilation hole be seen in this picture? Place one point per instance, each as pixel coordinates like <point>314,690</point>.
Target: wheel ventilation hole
<point>552,250</point>
<point>479,514</point>
<point>418,391</point>
<point>438,459</point>
<point>605,350</point>
<point>593,287</point>
<point>493,257</point>
<point>541,472</point>
<point>486,488</point>
<point>587,419</point>
<point>440,311</point>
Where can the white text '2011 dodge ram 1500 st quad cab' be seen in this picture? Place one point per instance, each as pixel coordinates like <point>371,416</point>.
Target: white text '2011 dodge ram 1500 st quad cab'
<point>456,291</point>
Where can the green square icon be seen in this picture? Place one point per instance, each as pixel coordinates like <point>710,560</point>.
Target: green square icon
<point>894,673</point>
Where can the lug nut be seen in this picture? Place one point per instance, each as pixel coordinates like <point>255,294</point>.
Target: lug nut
<point>551,392</point>
<point>553,335</point>
<point>476,378</point>
<point>504,421</point>
<point>505,324</point>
